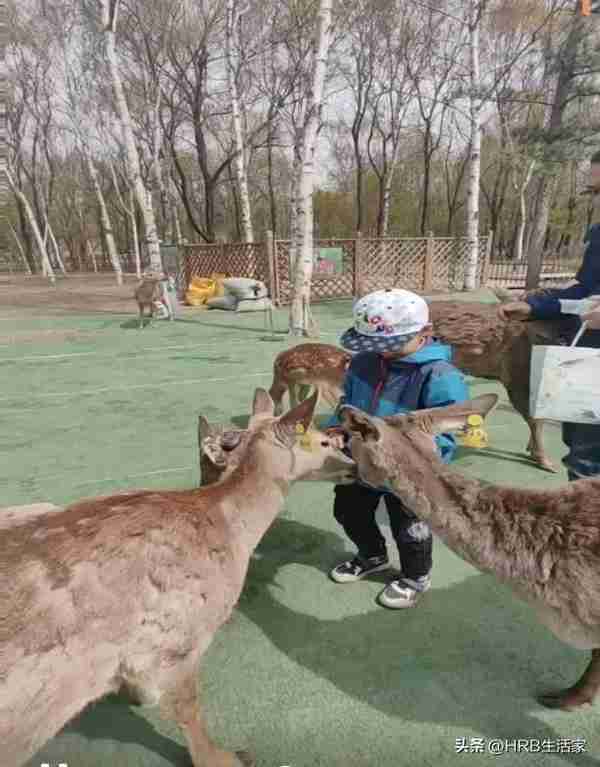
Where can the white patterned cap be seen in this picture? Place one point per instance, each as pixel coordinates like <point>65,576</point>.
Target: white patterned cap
<point>386,320</point>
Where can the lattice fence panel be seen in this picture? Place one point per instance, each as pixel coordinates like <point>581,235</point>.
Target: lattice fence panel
<point>237,259</point>
<point>387,263</point>
<point>202,260</point>
<point>450,260</point>
<point>324,287</point>
<point>329,286</point>
<point>282,269</point>
<point>513,274</point>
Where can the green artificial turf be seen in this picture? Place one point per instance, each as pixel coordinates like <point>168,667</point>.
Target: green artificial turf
<point>307,672</point>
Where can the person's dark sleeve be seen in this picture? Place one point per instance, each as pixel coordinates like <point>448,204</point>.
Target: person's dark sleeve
<point>547,306</point>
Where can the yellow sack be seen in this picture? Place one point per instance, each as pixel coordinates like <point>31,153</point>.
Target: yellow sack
<point>218,279</point>
<point>201,283</point>
<point>200,289</point>
<point>192,299</point>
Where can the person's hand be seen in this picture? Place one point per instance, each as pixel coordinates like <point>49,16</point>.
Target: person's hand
<point>592,318</point>
<point>516,310</point>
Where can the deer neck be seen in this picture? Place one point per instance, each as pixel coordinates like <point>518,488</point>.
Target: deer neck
<point>253,495</point>
<point>457,513</point>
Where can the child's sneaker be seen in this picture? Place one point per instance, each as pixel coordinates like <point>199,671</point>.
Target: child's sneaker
<point>404,592</point>
<point>357,568</point>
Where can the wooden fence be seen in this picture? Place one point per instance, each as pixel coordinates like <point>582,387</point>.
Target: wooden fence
<point>511,274</point>
<point>364,264</point>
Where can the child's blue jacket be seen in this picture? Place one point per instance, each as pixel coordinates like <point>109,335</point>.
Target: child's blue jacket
<point>422,380</point>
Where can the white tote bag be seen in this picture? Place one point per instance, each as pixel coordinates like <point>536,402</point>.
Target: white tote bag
<point>565,383</point>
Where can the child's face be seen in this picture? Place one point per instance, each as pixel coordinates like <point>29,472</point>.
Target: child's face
<point>410,348</point>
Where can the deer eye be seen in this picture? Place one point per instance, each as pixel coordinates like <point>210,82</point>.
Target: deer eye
<point>325,443</point>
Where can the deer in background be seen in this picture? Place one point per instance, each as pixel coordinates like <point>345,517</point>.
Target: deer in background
<point>544,544</point>
<point>148,292</point>
<point>125,592</point>
<point>304,366</point>
<point>483,345</point>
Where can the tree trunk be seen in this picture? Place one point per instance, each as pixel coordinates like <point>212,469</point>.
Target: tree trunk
<point>47,269</point>
<point>567,60</point>
<point>303,268</point>
<point>104,219</point>
<point>144,201</point>
<point>470,282</point>
<point>134,235</point>
<point>55,248</point>
<point>20,248</point>
<point>523,212</point>
<point>239,160</point>
<point>272,199</point>
<point>427,155</point>
<point>383,219</point>
<point>25,233</point>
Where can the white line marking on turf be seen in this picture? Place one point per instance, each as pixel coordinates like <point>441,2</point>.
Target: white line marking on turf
<point>137,353</point>
<point>174,382</point>
<point>107,479</point>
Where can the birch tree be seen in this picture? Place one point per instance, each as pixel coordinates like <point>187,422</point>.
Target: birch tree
<point>475,11</point>
<point>240,160</point>
<point>303,234</point>
<point>564,83</point>
<point>129,210</point>
<point>109,13</point>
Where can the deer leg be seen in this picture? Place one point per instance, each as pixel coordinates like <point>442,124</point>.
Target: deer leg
<point>294,395</point>
<point>535,445</point>
<point>582,692</point>
<point>277,392</point>
<point>181,704</point>
<point>141,323</point>
<point>303,391</point>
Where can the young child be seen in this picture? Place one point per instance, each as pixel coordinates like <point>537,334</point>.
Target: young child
<point>398,367</point>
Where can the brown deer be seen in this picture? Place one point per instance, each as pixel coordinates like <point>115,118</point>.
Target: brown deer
<point>147,293</point>
<point>125,592</point>
<point>483,345</point>
<point>486,346</point>
<point>545,544</point>
<point>298,369</point>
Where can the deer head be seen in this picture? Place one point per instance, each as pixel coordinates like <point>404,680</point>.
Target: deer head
<point>316,456</point>
<point>399,452</point>
<point>290,440</point>
<point>221,449</point>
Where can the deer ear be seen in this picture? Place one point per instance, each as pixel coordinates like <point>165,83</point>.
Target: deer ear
<point>355,420</point>
<point>262,403</point>
<point>438,420</point>
<point>211,448</point>
<point>302,414</point>
<point>204,428</point>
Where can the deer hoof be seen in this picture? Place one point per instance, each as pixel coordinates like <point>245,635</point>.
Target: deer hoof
<point>542,461</point>
<point>566,700</point>
<point>545,463</point>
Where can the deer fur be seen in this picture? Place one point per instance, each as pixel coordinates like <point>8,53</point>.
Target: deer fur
<point>304,366</point>
<point>125,592</point>
<point>545,544</point>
